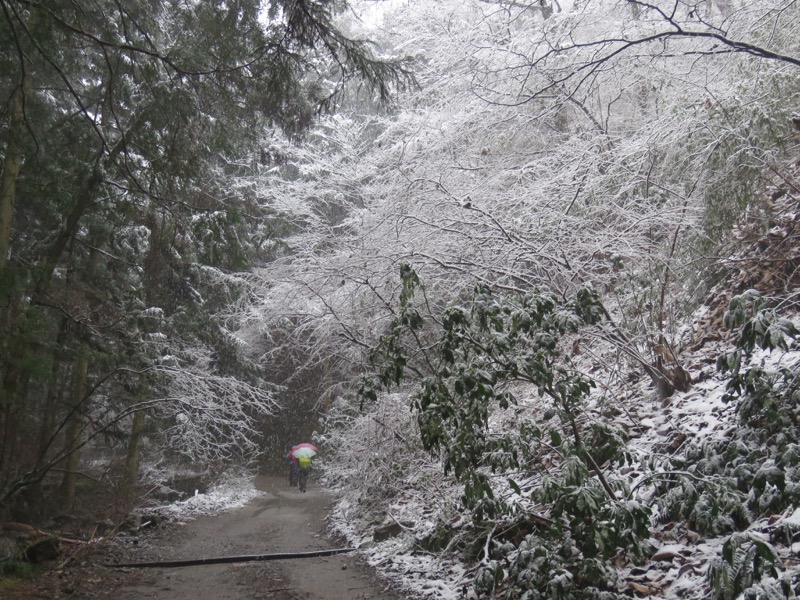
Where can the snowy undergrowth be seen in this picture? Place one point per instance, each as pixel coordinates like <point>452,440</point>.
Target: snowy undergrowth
<point>228,494</point>
<point>382,476</point>
<point>716,465</point>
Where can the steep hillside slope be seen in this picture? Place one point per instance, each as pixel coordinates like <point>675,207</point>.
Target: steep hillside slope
<point>717,466</point>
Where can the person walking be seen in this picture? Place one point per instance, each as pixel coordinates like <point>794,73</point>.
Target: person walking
<point>294,469</point>
<point>304,467</point>
<point>302,454</point>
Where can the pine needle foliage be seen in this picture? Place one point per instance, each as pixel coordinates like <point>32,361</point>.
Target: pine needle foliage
<point>123,127</point>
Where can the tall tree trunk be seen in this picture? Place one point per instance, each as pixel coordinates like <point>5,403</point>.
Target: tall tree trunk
<point>13,444</point>
<point>8,414</point>
<point>152,270</point>
<point>86,195</point>
<point>72,434</point>
<point>12,163</point>
<point>15,376</point>
<point>55,390</point>
<point>134,450</point>
<point>11,167</point>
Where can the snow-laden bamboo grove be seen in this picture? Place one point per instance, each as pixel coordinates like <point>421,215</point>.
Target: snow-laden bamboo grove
<point>547,147</point>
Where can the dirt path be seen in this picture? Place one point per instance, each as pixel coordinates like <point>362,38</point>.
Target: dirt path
<point>285,520</point>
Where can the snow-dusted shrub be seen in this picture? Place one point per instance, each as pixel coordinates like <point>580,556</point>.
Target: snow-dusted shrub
<point>375,456</point>
<point>744,561</point>
<point>540,569</point>
<point>540,480</point>
<point>766,391</point>
<point>701,494</point>
<point>724,486</point>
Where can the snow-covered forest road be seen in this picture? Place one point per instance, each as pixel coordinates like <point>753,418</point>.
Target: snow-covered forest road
<point>525,273</point>
<point>280,520</point>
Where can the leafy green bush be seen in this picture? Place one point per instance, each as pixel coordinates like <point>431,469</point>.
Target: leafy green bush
<point>463,364</point>
<point>744,561</point>
<point>762,460</point>
<point>544,568</point>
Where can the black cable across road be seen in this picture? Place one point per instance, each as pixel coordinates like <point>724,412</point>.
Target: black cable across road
<point>231,559</point>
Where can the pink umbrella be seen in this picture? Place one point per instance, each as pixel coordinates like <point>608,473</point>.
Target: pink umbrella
<point>299,450</point>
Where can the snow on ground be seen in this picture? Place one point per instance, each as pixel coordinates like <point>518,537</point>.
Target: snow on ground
<point>421,575</point>
<point>225,496</point>
<point>676,570</point>
<point>399,559</point>
<point>678,566</point>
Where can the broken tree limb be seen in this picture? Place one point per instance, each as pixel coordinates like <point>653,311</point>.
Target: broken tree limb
<point>231,559</point>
